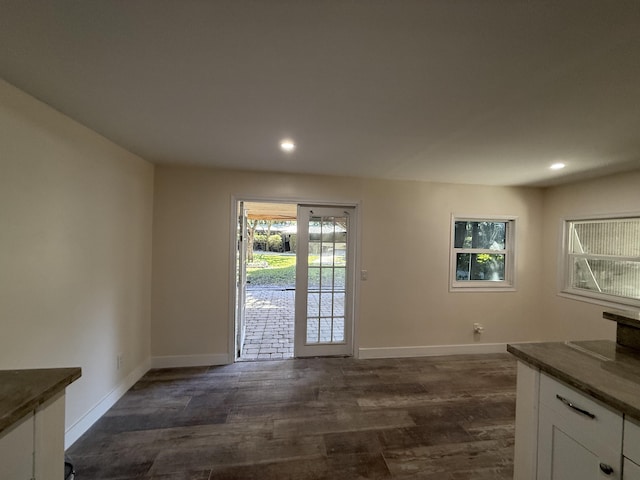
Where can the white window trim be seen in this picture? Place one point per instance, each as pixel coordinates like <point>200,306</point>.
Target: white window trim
<point>565,290</point>
<point>509,282</point>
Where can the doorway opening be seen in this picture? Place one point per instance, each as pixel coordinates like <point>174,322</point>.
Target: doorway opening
<point>266,281</point>
<point>295,283</point>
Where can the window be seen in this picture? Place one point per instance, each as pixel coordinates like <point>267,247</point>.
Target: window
<point>482,253</point>
<point>602,259</point>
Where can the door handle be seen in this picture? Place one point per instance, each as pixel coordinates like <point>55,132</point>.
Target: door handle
<point>606,469</point>
<point>579,410</point>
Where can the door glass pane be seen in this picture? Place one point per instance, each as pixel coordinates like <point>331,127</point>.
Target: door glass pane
<point>313,330</point>
<point>314,252</point>
<point>327,279</point>
<point>326,304</point>
<point>340,253</point>
<point>325,330</point>
<point>327,255</point>
<point>340,235</point>
<point>315,233</point>
<point>338,329</point>
<point>314,278</point>
<point>339,276</point>
<point>328,230</point>
<point>313,305</point>
<point>338,304</point>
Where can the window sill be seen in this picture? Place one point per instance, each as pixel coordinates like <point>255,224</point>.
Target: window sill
<point>482,288</point>
<point>599,301</point>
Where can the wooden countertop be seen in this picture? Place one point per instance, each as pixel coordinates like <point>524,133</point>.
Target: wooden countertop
<point>22,391</point>
<point>600,368</point>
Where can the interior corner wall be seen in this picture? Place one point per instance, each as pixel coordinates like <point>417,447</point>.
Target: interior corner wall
<point>404,245</point>
<point>568,319</point>
<point>75,254</point>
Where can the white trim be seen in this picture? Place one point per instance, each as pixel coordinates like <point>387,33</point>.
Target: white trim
<point>599,301</point>
<point>178,361</point>
<point>430,350</point>
<point>75,431</point>
<point>233,267</point>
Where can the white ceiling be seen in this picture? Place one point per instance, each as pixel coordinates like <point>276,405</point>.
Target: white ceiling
<point>465,91</point>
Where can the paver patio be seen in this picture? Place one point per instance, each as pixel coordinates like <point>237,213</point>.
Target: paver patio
<point>269,317</point>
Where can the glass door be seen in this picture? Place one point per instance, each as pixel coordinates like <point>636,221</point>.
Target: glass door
<point>324,279</point>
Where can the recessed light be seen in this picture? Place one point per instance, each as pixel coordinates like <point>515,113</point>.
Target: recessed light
<point>287,145</point>
<point>557,166</point>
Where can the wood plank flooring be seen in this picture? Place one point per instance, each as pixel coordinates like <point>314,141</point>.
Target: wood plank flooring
<point>445,418</point>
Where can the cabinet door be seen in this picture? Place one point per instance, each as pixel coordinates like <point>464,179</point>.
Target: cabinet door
<point>16,451</point>
<point>564,455</point>
<point>569,459</point>
<point>631,470</point>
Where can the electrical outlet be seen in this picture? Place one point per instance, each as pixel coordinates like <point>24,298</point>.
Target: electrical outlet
<point>119,360</point>
<point>478,328</point>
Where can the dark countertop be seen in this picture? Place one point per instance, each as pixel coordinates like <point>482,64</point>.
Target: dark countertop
<point>600,368</point>
<point>626,317</point>
<point>22,391</point>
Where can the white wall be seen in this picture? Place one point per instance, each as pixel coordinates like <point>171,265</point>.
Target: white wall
<point>191,266</point>
<point>75,253</point>
<point>404,246</point>
<point>567,319</point>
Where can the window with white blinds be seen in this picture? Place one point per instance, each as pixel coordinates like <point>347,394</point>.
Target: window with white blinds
<point>602,259</point>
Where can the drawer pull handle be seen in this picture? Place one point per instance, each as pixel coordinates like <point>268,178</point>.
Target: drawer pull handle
<point>576,409</point>
<point>606,469</point>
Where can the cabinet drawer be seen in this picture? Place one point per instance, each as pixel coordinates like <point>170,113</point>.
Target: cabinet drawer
<point>586,415</point>
<point>631,470</point>
<point>631,442</point>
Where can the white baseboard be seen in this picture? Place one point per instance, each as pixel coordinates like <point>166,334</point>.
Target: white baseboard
<point>431,350</point>
<point>176,361</point>
<point>93,415</point>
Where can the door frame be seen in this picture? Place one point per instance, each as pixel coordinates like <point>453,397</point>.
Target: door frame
<point>231,278</point>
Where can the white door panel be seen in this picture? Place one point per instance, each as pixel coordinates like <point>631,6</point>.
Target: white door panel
<point>324,281</point>
<point>241,278</point>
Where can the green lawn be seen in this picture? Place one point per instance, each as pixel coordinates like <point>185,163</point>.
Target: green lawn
<point>281,270</point>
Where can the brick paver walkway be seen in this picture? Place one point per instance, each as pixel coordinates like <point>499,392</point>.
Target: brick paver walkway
<point>269,316</point>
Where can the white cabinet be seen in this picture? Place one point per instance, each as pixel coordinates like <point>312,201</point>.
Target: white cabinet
<point>563,434</point>
<point>16,450</point>
<point>578,438</point>
<point>525,456</point>
<point>631,450</point>
<point>565,452</point>
<point>631,470</point>
<point>33,448</point>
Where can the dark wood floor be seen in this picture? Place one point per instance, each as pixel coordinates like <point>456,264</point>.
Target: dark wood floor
<point>445,418</point>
